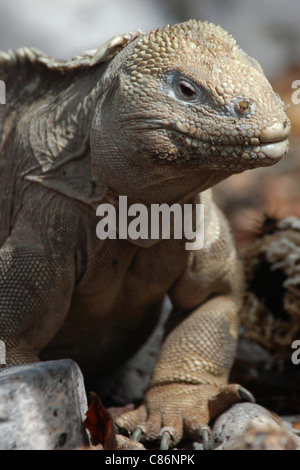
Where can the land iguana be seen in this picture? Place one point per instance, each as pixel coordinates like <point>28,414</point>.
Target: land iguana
<point>160,118</point>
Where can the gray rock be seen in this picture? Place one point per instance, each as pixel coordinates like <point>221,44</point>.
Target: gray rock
<point>250,426</point>
<point>42,406</point>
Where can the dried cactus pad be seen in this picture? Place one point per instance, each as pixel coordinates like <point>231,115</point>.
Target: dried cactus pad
<point>271,311</point>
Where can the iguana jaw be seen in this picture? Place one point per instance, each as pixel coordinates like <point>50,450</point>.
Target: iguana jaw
<point>210,154</point>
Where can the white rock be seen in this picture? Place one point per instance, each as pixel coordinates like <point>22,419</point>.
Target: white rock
<point>42,406</point>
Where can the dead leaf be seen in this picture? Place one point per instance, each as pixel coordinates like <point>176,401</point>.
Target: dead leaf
<point>100,425</point>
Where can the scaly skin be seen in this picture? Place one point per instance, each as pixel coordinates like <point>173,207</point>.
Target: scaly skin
<point>159,117</point>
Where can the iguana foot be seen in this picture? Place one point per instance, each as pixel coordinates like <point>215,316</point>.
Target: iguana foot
<point>174,411</point>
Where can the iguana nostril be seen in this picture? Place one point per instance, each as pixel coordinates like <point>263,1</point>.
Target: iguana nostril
<point>242,106</point>
<point>277,131</point>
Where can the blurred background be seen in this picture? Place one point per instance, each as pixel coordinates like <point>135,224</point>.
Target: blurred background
<point>266,29</point>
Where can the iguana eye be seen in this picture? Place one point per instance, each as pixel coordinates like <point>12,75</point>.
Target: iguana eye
<point>186,91</point>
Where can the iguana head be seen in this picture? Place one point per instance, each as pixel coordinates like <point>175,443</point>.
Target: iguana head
<point>185,101</point>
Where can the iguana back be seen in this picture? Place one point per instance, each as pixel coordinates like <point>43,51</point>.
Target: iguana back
<point>45,123</point>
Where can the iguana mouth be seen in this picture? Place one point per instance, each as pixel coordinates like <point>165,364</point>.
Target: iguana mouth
<point>274,150</point>
<point>253,149</point>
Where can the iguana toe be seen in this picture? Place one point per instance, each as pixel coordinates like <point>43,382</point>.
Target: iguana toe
<point>226,397</point>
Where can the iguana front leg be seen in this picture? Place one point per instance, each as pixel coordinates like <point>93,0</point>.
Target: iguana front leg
<point>189,381</point>
<point>191,371</point>
<point>37,275</point>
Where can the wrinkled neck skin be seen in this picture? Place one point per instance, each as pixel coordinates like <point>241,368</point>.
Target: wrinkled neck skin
<point>121,167</point>
<point>124,164</point>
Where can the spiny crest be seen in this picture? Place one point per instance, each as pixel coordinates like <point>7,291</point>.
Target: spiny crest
<point>104,53</point>
<point>181,43</point>
<point>184,41</point>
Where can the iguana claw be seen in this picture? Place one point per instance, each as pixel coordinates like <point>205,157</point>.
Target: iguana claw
<point>206,438</point>
<point>165,439</point>
<point>137,434</point>
<point>246,395</point>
